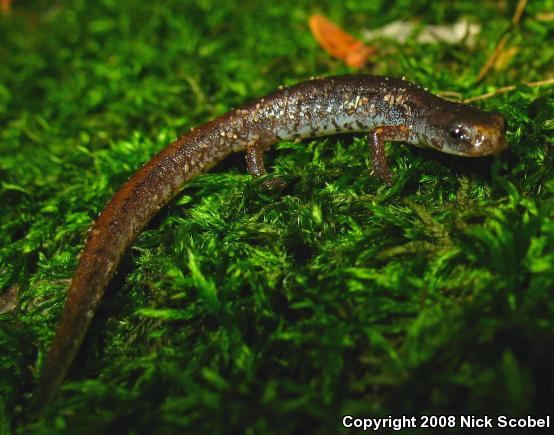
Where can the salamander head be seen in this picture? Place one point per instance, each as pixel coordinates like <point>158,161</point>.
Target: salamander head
<point>466,131</point>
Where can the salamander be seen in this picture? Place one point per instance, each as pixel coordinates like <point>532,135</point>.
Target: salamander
<point>385,108</point>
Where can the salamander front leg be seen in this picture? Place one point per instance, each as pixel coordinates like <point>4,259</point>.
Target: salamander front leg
<point>377,138</point>
<point>256,167</point>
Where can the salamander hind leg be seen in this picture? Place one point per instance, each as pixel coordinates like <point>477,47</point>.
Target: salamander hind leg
<point>256,167</point>
<point>377,138</point>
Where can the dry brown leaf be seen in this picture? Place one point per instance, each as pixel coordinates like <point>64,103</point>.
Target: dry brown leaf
<point>505,57</point>
<point>9,300</point>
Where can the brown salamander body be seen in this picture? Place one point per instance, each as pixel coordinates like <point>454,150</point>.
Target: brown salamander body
<point>386,108</point>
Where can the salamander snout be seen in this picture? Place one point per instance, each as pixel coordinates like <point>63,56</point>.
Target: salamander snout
<point>477,137</point>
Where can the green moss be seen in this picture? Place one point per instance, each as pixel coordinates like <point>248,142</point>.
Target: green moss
<point>247,311</point>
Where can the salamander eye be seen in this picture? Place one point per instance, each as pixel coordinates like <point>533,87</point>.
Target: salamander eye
<point>457,132</point>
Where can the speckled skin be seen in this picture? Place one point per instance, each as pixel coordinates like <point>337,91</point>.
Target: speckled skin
<point>390,109</point>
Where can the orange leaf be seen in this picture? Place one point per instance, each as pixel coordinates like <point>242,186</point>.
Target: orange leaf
<point>338,43</point>
<point>5,6</point>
